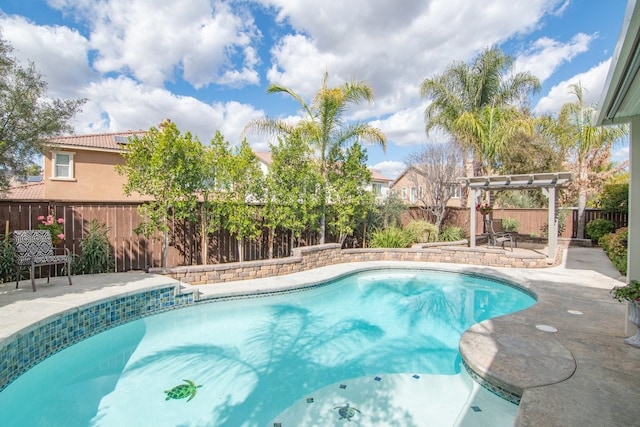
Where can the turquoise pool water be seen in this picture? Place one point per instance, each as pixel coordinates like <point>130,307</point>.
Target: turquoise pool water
<point>246,361</point>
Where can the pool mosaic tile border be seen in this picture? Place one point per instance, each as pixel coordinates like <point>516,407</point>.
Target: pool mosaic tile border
<point>25,349</point>
<point>498,391</point>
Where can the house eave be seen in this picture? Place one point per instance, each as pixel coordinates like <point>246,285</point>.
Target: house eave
<point>621,95</point>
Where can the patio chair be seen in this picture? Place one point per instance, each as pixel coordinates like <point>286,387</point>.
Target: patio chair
<point>34,248</point>
<point>498,237</point>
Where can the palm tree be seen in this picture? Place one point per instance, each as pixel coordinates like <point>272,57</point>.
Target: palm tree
<point>489,130</point>
<point>323,126</point>
<point>589,147</point>
<point>471,92</point>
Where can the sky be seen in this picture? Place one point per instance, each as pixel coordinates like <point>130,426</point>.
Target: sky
<point>206,64</point>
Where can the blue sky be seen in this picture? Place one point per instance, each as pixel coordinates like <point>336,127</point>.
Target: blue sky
<point>206,64</point>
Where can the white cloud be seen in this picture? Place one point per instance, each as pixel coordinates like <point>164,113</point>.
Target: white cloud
<point>123,104</point>
<point>160,40</point>
<point>592,82</point>
<point>392,48</point>
<point>59,53</point>
<point>546,55</point>
<point>390,169</point>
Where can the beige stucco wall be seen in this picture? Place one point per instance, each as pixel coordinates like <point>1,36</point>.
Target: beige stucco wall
<point>95,178</point>
<point>409,180</point>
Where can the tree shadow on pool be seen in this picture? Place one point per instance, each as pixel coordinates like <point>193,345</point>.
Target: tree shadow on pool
<point>293,354</point>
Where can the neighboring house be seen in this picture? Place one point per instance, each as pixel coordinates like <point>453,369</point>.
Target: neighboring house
<point>82,168</point>
<point>379,183</point>
<point>410,187</point>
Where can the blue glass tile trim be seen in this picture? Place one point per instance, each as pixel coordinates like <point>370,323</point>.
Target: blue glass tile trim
<point>498,391</point>
<point>32,345</point>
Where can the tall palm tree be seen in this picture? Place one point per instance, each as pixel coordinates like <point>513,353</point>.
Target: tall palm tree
<point>589,147</point>
<point>467,89</point>
<point>323,125</point>
<point>489,130</point>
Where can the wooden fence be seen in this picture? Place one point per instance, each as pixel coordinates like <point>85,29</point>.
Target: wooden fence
<point>135,252</point>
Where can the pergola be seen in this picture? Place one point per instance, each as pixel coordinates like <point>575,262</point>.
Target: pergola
<point>547,182</point>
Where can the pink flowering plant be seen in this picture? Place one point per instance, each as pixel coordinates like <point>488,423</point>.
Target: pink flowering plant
<point>484,207</point>
<point>630,292</point>
<point>54,225</point>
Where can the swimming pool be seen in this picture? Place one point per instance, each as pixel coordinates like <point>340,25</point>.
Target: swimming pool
<point>247,361</point>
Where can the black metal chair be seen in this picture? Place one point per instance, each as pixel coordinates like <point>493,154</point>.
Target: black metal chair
<point>498,237</point>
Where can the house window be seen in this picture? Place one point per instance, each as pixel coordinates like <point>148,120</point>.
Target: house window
<point>404,193</point>
<point>457,192</point>
<point>376,188</point>
<point>420,192</point>
<point>62,165</point>
<point>414,194</point>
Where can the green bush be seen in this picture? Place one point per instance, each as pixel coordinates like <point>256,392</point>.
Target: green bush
<point>510,224</point>
<point>599,227</point>
<point>452,234</point>
<point>562,223</point>
<point>95,256</point>
<point>7,260</point>
<point>392,237</point>
<point>422,231</point>
<point>615,246</point>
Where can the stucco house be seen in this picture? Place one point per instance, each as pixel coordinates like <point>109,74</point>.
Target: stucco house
<point>82,168</point>
<point>411,185</point>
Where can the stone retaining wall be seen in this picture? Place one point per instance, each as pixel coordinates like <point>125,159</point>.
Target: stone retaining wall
<point>307,258</point>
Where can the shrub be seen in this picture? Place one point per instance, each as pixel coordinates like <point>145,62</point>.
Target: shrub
<point>452,234</point>
<point>615,246</point>
<point>422,231</point>
<point>510,224</point>
<point>392,237</point>
<point>562,224</point>
<point>95,256</point>
<point>599,227</point>
<point>7,260</point>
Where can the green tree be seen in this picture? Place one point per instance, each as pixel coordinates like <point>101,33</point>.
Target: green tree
<point>165,165</point>
<point>350,201</point>
<point>589,147</point>
<point>467,99</point>
<point>214,187</point>
<point>245,193</point>
<point>323,126</point>
<point>615,194</point>
<point>292,183</point>
<point>28,118</point>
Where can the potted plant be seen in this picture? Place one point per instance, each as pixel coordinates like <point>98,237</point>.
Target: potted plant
<point>485,208</point>
<point>631,294</point>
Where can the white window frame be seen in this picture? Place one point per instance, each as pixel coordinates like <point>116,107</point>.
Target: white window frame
<point>70,176</point>
<point>413,194</point>
<point>404,193</point>
<point>457,192</point>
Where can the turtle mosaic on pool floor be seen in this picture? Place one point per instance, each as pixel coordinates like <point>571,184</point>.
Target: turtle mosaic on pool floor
<point>347,412</point>
<point>183,390</point>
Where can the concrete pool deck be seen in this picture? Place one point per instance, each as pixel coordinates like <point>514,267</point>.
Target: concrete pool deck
<point>583,374</point>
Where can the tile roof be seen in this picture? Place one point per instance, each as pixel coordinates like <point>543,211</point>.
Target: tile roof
<point>377,176</point>
<point>31,191</point>
<point>102,141</point>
